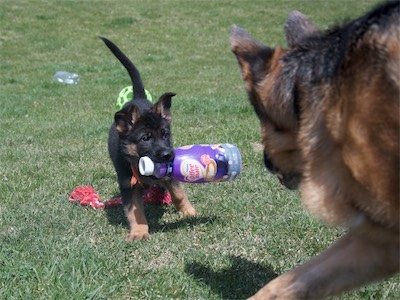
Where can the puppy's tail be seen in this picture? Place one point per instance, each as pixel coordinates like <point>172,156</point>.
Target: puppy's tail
<point>137,84</point>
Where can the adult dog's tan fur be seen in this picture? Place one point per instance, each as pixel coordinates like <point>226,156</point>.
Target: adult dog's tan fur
<point>329,113</point>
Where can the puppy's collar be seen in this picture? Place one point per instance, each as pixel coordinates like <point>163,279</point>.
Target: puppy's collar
<point>135,177</point>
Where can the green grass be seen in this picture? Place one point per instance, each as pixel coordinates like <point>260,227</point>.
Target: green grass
<point>53,138</point>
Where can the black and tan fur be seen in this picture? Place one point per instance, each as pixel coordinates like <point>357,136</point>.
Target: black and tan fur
<point>329,114</point>
<point>142,129</point>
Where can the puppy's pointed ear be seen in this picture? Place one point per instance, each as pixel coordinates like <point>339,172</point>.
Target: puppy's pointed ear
<point>125,119</point>
<point>298,27</point>
<point>163,106</point>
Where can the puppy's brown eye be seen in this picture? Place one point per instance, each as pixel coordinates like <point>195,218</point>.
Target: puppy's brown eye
<point>146,137</point>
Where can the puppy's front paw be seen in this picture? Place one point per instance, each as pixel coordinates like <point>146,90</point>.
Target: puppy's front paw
<point>137,236</point>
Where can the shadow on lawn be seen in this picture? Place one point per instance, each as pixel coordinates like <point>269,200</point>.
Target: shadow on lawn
<point>240,281</point>
<point>154,213</point>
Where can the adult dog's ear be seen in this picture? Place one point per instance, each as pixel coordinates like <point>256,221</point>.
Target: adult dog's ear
<point>163,106</point>
<point>298,27</point>
<point>252,56</point>
<point>126,118</point>
<point>254,62</point>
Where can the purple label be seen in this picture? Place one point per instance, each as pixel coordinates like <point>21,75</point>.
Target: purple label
<point>207,163</point>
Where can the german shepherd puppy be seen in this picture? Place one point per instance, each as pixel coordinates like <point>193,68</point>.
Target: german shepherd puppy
<point>329,112</point>
<point>142,129</point>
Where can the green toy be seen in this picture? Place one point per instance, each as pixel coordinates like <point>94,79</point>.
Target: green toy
<point>126,95</point>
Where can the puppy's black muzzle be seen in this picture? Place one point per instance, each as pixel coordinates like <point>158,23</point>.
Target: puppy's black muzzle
<point>165,155</point>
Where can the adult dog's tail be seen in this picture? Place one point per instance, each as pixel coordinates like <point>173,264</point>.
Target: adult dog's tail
<point>137,84</point>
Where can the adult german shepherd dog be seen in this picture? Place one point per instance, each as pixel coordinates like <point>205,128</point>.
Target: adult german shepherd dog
<point>329,113</point>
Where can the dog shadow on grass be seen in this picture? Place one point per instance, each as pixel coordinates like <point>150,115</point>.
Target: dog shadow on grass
<point>241,280</point>
<point>154,214</point>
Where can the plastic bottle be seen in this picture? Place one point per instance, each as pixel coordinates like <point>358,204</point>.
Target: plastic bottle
<point>197,164</point>
<point>66,77</point>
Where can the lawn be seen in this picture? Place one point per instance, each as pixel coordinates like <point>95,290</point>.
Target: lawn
<point>54,138</point>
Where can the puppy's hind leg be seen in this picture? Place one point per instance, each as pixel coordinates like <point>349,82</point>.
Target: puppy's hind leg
<point>180,199</point>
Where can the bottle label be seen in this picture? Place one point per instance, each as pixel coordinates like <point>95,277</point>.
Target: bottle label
<point>193,170</point>
<point>207,163</point>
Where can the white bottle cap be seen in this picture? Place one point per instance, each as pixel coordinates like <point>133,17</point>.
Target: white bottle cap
<point>146,166</point>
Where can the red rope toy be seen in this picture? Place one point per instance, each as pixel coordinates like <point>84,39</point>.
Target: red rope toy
<point>87,196</point>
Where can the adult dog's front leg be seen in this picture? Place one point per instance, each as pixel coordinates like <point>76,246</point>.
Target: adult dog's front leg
<point>134,211</point>
<point>180,199</point>
<point>361,256</point>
